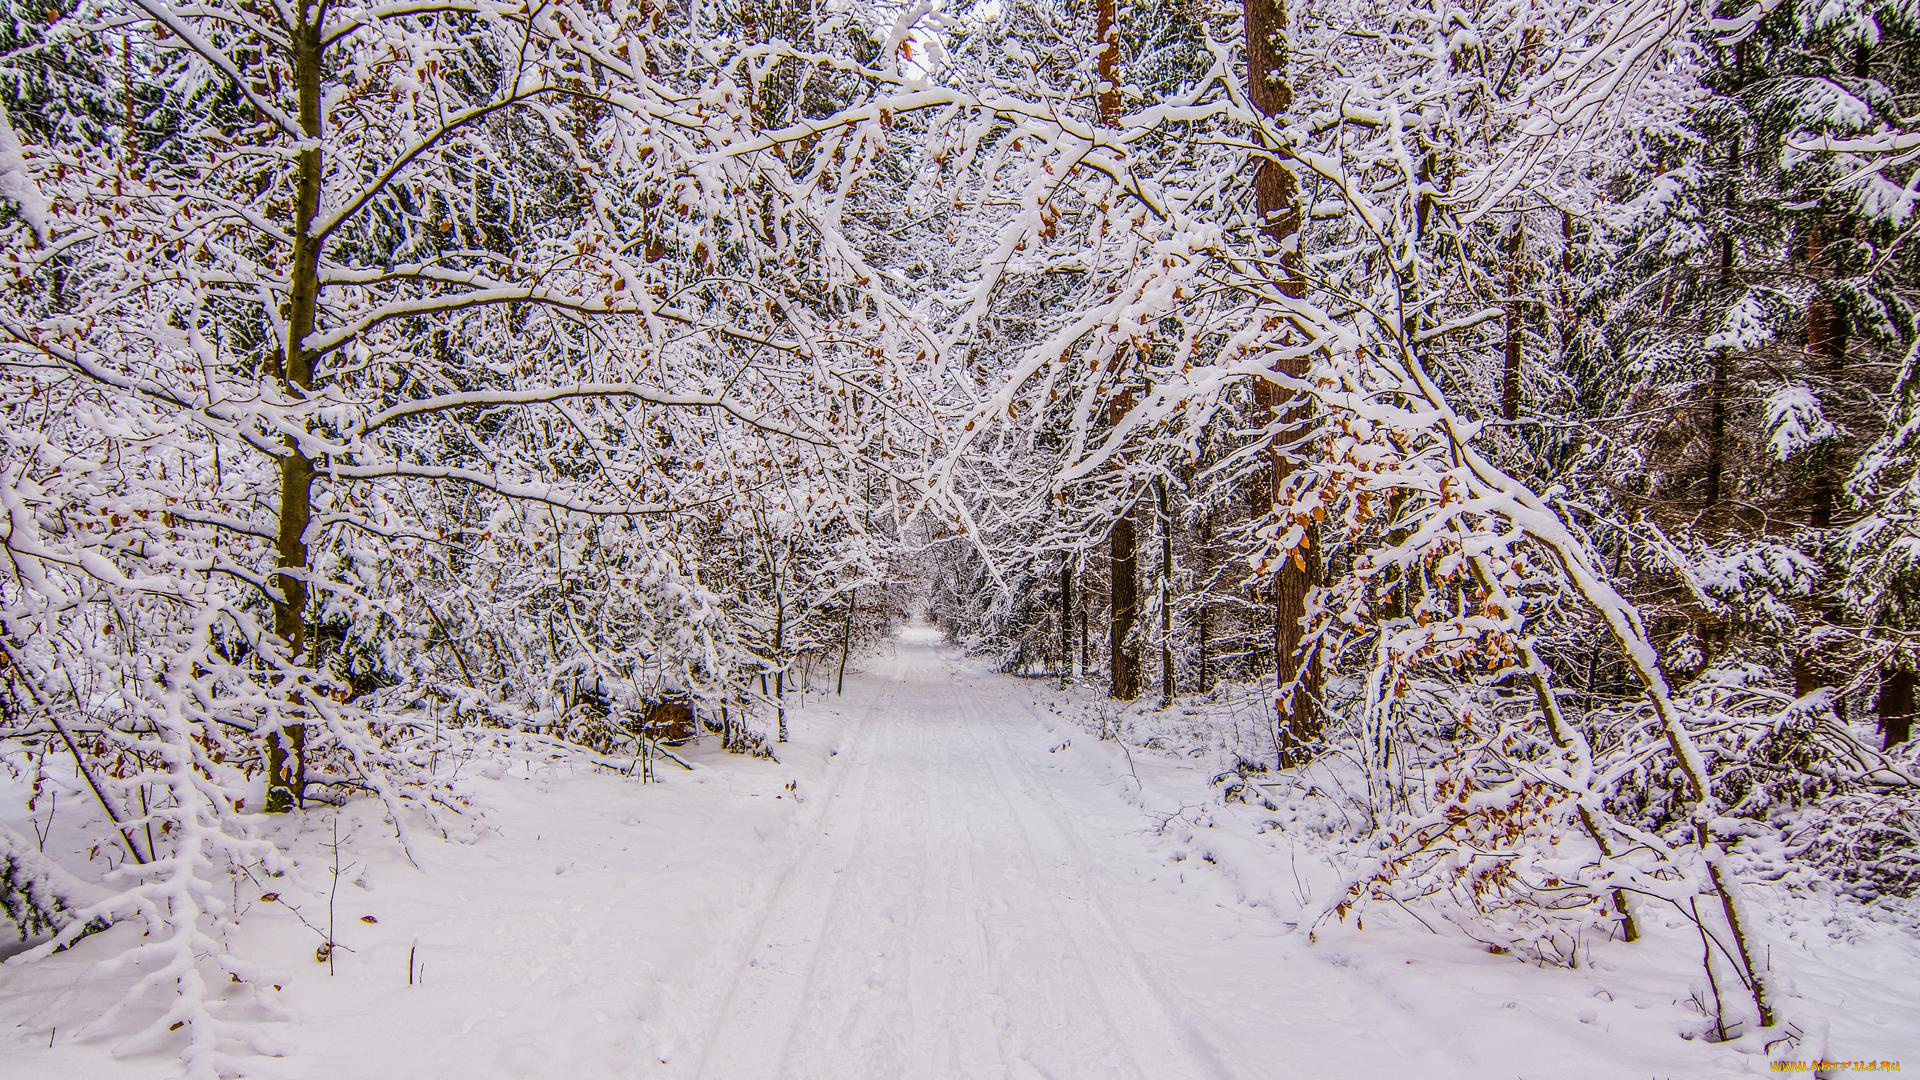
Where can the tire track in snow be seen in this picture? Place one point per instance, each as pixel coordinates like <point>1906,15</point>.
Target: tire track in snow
<point>763,991</point>
<point>1161,1041</point>
<point>948,921</point>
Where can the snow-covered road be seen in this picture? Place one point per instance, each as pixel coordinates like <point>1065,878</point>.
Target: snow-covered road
<point>943,878</point>
<point>955,915</point>
<point>980,889</point>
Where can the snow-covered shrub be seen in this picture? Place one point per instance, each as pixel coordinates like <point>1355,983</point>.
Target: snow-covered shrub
<point>1864,843</point>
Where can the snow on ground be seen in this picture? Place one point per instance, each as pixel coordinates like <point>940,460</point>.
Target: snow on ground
<point>1849,974</point>
<point>959,883</point>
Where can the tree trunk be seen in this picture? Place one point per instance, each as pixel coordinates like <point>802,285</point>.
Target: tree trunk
<point>853,596</point>
<point>1166,594</point>
<point>1106,31</point>
<point>1722,362</point>
<point>1203,678</point>
<point>779,658</point>
<point>286,744</point>
<point>1086,601</point>
<point>846,644</point>
<point>1814,663</point>
<point>1277,200</point>
<point>1123,657</point>
<point>1895,705</point>
<point>1568,328</point>
<point>1827,332</point>
<point>1066,619</point>
<point>1516,330</point>
<point>1122,652</point>
<point>1717,427</point>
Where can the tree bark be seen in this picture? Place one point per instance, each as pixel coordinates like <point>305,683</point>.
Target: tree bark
<point>1277,200</point>
<point>1516,330</point>
<point>1894,704</point>
<point>1123,656</point>
<point>1827,338</point>
<point>1722,362</point>
<point>1123,653</point>
<point>1827,332</point>
<point>1202,677</point>
<point>1166,593</point>
<point>1568,328</point>
<point>846,644</point>
<point>1086,601</point>
<point>1066,619</point>
<point>286,744</point>
<point>1106,32</point>
<point>779,657</point>
<point>1717,427</point>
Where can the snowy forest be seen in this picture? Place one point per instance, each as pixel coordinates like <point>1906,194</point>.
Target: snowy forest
<point>1431,487</point>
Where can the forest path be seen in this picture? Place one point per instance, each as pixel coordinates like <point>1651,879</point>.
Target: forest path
<point>969,906</point>
<point>963,887</point>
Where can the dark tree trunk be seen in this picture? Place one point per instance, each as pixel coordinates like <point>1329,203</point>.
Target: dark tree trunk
<point>1827,332</point>
<point>1123,655</point>
<point>1122,652</point>
<point>1202,677</point>
<point>1894,705</point>
<point>1818,663</point>
<point>286,747</point>
<point>1086,601</point>
<point>1166,594</point>
<point>1568,329</point>
<point>1066,619</point>
<point>779,658</point>
<point>1516,331</point>
<point>853,597</point>
<point>1277,199</point>
<point>1717,427</point>
<point>1722,362</point>
<point>846,643</point>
